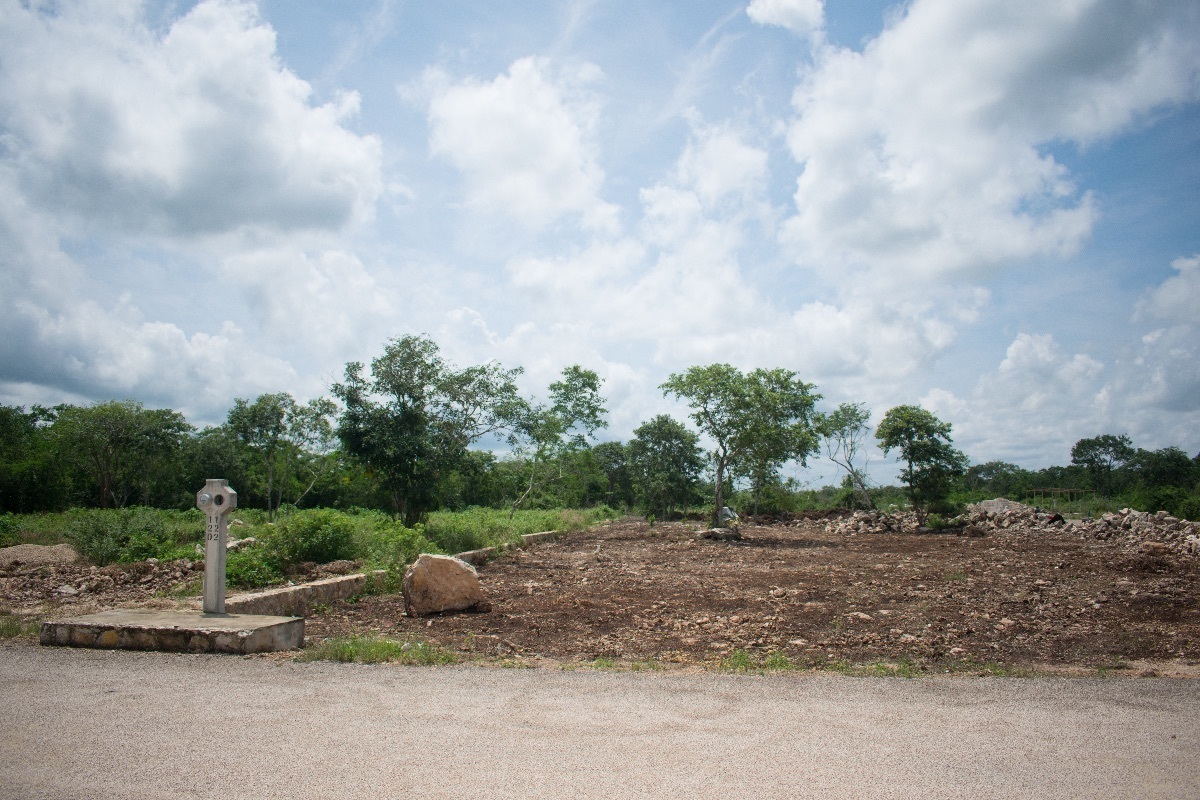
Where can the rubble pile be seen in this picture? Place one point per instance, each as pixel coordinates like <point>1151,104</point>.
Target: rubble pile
<point>1133,529</point>
<point>873,522</point>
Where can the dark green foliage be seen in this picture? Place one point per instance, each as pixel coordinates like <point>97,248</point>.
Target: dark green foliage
<point>665,461</point>
<point>30,476</point>
<point>10,530</point>
<point>757,421</point>
<point>1100,456</point>
<point>105,536</point>
<point>411,421</point>
<point>251,568</point>
<point>318,536</point>
<point>931,463</point>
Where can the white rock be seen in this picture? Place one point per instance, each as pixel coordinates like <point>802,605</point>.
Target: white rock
<point>442,583</point>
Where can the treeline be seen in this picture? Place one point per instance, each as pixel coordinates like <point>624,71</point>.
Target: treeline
<point>412,433</point>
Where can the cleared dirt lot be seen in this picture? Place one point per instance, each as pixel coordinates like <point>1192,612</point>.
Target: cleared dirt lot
<point>630,593</point>
<point>799,593</point>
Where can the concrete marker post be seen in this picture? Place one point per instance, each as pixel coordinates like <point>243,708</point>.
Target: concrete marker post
<point>216,500</point>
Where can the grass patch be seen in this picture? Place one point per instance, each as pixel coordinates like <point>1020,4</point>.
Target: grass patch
<point>13,626</point>
<point>379,650</point>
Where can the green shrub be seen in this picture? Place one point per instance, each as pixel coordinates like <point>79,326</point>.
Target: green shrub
<point>10,531</point>
<point>250,568</point>
<point>389,545</point>
<point>97,535</point>
<point>318,536</point>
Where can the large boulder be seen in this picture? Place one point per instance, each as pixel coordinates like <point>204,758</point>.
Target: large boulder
<point>434,584</point>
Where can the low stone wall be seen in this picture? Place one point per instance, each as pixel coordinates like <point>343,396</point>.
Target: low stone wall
<point>296,601</point>
<point>477,558</point>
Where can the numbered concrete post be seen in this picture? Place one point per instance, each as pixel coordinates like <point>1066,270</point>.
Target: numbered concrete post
<point>216,500</point>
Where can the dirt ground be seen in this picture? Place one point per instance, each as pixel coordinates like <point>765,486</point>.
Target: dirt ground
<point>626,592</point>
<point>630,594</point>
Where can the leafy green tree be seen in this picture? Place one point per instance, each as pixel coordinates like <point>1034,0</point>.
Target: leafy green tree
<point>118,445</point>
<point>1101,456</point>
<point>29,478</point>
<point>665,461</point>
<point>548,434</point>
<point>758,421</point>
<point>262,427</point>
<point>931,462</point>
<point>998,479</point>
<point>844,431</point>
<point>1169,466</point>
<point>612,459</point>
<point>411,420</point>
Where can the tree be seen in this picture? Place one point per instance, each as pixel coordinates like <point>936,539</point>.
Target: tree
<point>547,434</point>
<point>665,461</point>
<point>29,478</point>
<point>612,458</point>
<point>1169,466</point>
<point>757,421</point>
<point>1101,455</point>
<point>118,445</point>
<point>411,421</point>
<point>262,427</point>
<point>931,462</point>
<point>844,431</point>
<point>999,479</point>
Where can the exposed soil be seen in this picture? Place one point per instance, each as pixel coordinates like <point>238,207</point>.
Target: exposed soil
<point>629,593</point>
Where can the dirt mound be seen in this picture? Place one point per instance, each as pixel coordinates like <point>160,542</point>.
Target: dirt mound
<point>35,554</point>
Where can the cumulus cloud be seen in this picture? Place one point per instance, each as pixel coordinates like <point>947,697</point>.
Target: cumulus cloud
<point>130,150</point>
<point>524,142</point>
<point>195,129</point>
<point>924,155</point>
<point>802,17</point>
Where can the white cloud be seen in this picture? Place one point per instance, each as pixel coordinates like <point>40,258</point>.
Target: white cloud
<point>717,163</point>
<point>802,17</point>
<point>923,155</point>
<point>524,142</point>
<point>1177,299</point>
<point>197,129</point>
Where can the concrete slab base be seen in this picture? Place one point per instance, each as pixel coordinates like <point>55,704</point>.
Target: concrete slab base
<point>179,631</point>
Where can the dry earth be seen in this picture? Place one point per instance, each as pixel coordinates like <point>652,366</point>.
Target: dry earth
<point>813,590</point>
<point>630,593</point>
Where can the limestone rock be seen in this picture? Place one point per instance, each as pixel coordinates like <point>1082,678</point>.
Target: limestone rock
<point>434,584</point>
<point>720,534</point>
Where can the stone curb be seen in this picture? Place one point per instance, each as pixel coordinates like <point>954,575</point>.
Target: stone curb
<point>477,558</point>
<point>296,601</point>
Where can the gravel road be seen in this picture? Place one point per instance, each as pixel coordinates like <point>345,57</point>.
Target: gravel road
<point>101,724</point>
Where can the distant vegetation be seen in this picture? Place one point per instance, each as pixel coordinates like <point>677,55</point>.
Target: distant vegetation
<point>402,443</point>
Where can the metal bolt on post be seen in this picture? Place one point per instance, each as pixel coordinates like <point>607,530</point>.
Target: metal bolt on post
<point>216,500</point>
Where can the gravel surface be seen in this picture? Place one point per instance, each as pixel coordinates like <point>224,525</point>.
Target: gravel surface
<point>35,554</point>
<point>113,724</point>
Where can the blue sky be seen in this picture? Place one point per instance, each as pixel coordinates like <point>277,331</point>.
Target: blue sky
<point>986,207</point>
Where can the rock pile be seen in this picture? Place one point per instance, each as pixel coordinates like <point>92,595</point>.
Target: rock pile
<point>873,522</point>
<point>1158,532</point>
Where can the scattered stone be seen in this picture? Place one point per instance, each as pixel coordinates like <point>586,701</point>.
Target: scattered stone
<point>434,584</point>
<point>240,544</point>
<point>1157,534</point>
<point>720,534</point>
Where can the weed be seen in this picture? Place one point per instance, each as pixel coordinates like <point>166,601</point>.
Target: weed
<point>377,650</point>
<point>778,662</point>
<point>737,661</point>
<point>957,575</point>
<point>17,627</point>
<point>600,662</point>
